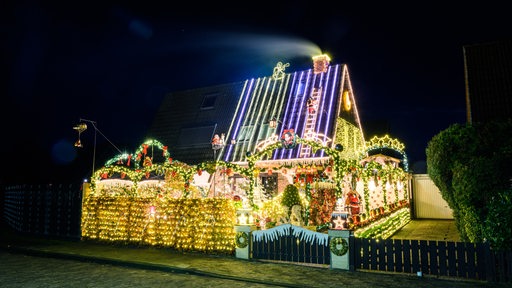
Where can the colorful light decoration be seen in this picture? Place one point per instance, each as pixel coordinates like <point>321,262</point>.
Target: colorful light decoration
<point>134,216</point>
<point>168,223</point>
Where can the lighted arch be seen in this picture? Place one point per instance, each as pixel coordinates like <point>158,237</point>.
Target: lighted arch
<point>387,142</point>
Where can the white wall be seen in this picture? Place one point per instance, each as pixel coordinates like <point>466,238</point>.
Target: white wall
<point>428,203</point>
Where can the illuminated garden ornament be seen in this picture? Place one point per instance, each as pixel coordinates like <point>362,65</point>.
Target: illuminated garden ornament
<point>80,128</point>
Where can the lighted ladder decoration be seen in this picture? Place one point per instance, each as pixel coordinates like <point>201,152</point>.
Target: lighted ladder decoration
<point>309,131</point>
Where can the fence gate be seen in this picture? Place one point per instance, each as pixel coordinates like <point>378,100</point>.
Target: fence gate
<point>292,244</point>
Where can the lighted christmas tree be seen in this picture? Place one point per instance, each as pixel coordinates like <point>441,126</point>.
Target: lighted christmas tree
<point>290,197</point>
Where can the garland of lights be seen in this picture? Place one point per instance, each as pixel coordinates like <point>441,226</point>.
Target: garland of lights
<point>119,159</point>
<point>143,150</point>
<point>241,239</point>
<point>338,246</point>
<point>169,169</point>
<point>340,166</point>
<point>389,143</point>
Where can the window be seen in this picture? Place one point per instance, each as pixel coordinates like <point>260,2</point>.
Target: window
<point>269,183</point>
<point>193,136</point>
<point>264,132</point>
<point>245,133</point>
<point>209,101</point>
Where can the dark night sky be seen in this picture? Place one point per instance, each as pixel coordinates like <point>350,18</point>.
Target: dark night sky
<point>112,63</point>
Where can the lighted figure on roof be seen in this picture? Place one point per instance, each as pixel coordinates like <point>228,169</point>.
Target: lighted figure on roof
<point>218,142</point>
<point>312,103</point>
<point>279,70</point>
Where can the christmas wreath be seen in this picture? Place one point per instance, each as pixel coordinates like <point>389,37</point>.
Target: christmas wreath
<point>338,246</point>
<point>289,139</point>
<point>241,239</point>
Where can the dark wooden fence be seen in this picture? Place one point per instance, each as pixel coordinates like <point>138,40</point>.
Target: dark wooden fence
<point>45,210</point>
<point>436,258</point>
<point>474,261</point>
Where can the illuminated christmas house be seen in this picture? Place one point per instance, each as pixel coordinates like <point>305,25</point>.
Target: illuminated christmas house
<point>290,143</point>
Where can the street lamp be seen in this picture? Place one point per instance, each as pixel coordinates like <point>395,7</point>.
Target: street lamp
<point>81,127</point>
<point>273,122</point>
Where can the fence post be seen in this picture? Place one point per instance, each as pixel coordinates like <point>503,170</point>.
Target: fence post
<point>243,241</point>
<point>339,247</point>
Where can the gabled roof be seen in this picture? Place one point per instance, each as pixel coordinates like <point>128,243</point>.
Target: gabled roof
<point>188,120</point>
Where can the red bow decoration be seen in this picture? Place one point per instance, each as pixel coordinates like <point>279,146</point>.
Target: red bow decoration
<point>139,156</point>
<point>170,160</point>
<point>104,175</point>
<point>123,175</point>
<point>129,158</point>
<point>145,149</point>
<point>164,149</point>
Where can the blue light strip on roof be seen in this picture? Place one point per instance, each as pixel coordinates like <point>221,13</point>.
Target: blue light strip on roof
<point>241,114</point>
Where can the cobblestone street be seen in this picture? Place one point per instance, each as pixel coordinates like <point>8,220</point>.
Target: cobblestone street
<point>29,272</point>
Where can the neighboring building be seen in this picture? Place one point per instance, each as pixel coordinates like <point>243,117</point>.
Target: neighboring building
<point>314,104</point>
<point>488,78</point>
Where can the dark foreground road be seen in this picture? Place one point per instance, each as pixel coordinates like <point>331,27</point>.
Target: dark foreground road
<point>28,271</point>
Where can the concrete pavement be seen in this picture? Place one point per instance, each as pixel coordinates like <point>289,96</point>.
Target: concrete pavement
<point>429,229</point>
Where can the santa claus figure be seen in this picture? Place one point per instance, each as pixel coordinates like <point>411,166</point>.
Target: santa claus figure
<point>352,202</point>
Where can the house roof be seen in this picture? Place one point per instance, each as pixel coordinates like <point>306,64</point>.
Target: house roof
<point>188,120</point>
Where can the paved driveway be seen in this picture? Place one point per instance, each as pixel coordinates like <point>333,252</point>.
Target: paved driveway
<point>429,229</point>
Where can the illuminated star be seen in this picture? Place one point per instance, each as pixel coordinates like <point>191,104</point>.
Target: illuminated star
<point>338,223</point>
